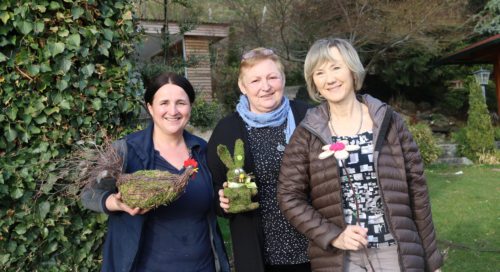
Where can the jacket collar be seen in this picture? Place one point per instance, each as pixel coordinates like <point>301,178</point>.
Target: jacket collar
<point>316,119</point>
<point>142,143</point>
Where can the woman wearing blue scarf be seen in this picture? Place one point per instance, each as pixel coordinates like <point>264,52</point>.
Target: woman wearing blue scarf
<point>263,240</point>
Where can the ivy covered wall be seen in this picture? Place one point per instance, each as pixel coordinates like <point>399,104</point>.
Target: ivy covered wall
<point>64,76</point>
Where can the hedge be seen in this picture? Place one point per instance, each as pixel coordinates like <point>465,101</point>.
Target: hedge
<point>65,75</point>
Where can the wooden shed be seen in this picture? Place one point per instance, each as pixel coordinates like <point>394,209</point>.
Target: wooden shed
<point>193,47</point>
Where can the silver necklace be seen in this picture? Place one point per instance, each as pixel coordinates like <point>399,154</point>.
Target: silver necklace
<point>330,123</point>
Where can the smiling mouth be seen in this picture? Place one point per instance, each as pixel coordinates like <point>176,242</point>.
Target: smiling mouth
<point>267,95</point>
<point>172,118</point>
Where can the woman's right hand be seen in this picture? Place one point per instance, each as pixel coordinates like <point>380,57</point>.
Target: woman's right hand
<point>353,237</point>
<point>114,203</point>
<point>224,201</point>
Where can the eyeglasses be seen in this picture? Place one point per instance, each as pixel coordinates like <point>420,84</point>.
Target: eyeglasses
<point>257,52</point>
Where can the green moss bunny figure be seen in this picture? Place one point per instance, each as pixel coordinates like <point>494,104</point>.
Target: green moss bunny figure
<point>240,187</point>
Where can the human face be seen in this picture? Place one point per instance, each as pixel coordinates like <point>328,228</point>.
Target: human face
<point>170,109</point>
<point>263,84</point>
<point>333,79</point>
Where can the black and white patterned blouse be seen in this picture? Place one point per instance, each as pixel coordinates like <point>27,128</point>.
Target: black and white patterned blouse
<point>282,243</point>
<point>360,167</point>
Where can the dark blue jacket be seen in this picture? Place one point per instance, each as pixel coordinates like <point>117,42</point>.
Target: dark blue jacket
<point>123,237</point>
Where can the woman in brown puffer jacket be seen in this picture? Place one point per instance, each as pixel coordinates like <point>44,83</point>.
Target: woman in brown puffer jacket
<point>366,207</point>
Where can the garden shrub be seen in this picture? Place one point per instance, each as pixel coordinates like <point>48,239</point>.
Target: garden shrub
<point>479,133</point>
<point>454,101</point>
<point>64,75</point>
<point>459,138</point>
<point>427,145</point>
<point>497,133</point>
<point>205,114</point>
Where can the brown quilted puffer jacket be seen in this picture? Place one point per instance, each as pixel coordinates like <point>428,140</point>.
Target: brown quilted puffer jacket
<point>309,191</point>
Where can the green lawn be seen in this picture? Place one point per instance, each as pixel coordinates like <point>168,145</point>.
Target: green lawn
<point>466,212</point>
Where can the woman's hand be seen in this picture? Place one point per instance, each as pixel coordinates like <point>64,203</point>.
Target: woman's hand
<point>114,203</point>
<point>352,238</point>
<point>224,202</point>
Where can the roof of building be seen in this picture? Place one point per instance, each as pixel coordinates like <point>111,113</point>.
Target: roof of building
<point>482,52</point>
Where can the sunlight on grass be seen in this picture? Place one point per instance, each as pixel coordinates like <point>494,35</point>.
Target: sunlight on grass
<point>466,211</point>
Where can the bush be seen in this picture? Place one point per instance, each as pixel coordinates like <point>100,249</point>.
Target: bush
<point>479,131</point>
<point>64,75</point>
<point>497,133</point>
<point>454,101</point>
<point>205,114</point>
<point>427,145</point>
<point>460,139</point>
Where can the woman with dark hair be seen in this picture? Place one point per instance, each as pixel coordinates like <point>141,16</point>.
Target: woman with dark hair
<point>184,235</point>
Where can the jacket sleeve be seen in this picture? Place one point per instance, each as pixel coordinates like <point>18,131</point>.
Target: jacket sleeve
<point>93,196</point>
<point>419,196</point>
<point>293,193</point>
<point>217,168</point>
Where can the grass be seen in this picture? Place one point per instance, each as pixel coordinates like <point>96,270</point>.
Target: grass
<point>466,212</point>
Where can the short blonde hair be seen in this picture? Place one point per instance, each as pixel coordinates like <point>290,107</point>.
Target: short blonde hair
<point>319,53</point>
<point>256,55</point>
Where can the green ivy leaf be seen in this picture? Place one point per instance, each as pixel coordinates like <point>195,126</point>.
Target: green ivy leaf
<point>10,134</point>
<point>25,27</point>
<point>97,104</point>
<point>63,33</point>
<point>50,111</point>
<point>34,69</point>
<point>40,8</point>
<point>2,57</point>
<point>108,34</point>
<point>55,48</point>
<point>16,193</point>
<point>103,50</point>
<point>42,119</point>
<point>88,70</point>
<point>65,105</point>
<point>34,129</point>
<point>45,232</point>
<point>108,22</point>
<point>64,65</point>
<point>20,229</point>
<point>4,16</point>
<point>43,209</point>
<point>62,84</point>
<point>54,5</point>
<point>76,12</point>
<point>4,258</point>
<point>51,248</point>
<point>73,41</point>
<point>12,113</point>
<point>39,27</point>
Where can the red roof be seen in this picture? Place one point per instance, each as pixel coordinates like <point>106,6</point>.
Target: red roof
<point>483,52</point>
